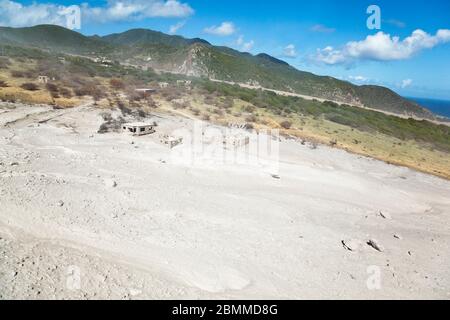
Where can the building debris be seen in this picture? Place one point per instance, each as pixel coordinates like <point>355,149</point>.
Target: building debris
<point>171,141</point>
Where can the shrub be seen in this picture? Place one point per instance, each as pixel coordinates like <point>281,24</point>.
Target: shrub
<point>4,63</point>
<point>177,105</point>
<point>219,112</point>
<point>111,125</point>
<point>82,91</point>
<point>106,116</point>
<point>150,102</point>
<point>133,95</point>
<point>125,111</point>
<point>249,126</point>
<point>333,142</point>
<point>141,113</point>
<point>30,86</point>
<point>209,100</point>
<point>52,87</point>
<point>97,94</point>
<point>22,74</point>
<point>66,93</point>
<point>3,84</point>
<point>185,105</point>
<point>17,74</point>
<point>286,124</point>
<point>92,90</point>
<point>228,103</point>
<point>116,84</point>
<point>249,109</point>
<point>251,118</point>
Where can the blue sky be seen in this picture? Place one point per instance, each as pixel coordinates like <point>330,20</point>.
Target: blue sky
<point>323,36</point>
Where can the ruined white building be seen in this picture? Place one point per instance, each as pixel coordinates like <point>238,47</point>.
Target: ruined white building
<point>43,79</point>
<point>138,128</point>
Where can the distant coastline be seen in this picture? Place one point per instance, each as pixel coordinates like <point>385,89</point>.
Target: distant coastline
<point>439,107</point>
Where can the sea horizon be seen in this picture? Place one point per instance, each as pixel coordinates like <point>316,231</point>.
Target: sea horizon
<point>440,107</point>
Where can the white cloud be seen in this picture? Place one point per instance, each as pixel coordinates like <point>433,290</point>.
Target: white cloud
<point>322,29</point>
<point>290,51</point>
<point>14,14</point>
<point>132,10</point>
<point>406,83</point>
<point>240,40</point>
<point>248,46</point>
<point>174,28</point>
<point>382,47</point>
<point>225,29</point>
<point>242,45</point>
<point>358,78</point>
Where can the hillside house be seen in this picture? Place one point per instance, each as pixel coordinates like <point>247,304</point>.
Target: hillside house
<point>171,141</point>
<point>185,83</point>
<point>138,128</point>
<point>43,79</point>
<point>145,91</point>
<point>236,141</point>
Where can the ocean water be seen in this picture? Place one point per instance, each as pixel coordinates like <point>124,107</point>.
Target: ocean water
<point>439,107</point>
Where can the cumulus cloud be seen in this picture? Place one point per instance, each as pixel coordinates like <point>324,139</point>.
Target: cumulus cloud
<point>358,78</point>
<point>14,14</point>
<point>243,45</point>
<point>240,40</point>
<point>382,47</point>
<point>406,83</point>
<point>129,10</point>
<point>322,29</point>
<point>174,28</point>
<point>248,46</point>
<point>290,51</point>
<point>225,29</point>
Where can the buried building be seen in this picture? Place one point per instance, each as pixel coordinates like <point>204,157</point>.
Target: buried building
<point>236,141</point>
<point>171,141</point>
<point>138,128</point>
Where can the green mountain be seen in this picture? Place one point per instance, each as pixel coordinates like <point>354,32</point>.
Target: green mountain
<point>53,38</point>
<point>197,57</point>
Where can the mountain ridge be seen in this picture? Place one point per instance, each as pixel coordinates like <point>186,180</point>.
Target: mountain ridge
<point>199,58</point>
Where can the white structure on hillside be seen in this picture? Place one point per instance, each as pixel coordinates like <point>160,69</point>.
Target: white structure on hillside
<point>184,82</point>
<point>138,128</point>
<point>236,141</point>
<point>171,141</point>
<point>145,91</point>
<point>43,79</point>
